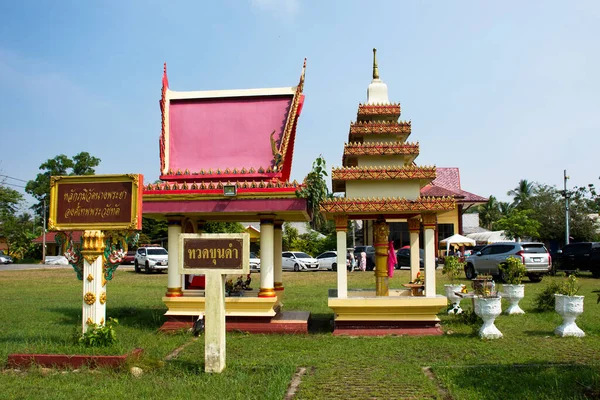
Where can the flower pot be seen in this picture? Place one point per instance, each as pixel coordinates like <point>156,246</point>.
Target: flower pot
<point>514,294</point>
<point>453,298</point>
<point>488,308</point>
<point>569,308</point>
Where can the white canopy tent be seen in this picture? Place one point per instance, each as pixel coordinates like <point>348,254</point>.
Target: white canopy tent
<point>458,240</point>
<point>489,237</point>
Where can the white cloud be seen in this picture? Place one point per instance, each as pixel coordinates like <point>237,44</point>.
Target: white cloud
<point>278,7</point>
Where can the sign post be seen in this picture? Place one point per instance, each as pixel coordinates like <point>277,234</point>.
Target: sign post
<point>214,255</point>
<point>96,203</point>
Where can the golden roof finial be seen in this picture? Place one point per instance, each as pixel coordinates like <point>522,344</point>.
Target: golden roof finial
<point>375,69</point>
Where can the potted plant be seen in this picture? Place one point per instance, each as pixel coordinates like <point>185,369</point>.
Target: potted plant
<point>569,306</point>
<point>453,267</point>
<point>488,305</point>
<point>512,272</point>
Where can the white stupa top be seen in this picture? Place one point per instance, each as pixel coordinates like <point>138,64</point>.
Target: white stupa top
<point>377,93</point>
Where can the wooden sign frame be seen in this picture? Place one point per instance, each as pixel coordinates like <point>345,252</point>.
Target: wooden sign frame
<point>94,202</point>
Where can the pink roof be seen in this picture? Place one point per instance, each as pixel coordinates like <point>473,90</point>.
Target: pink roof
<point>447,183</point>
<point>250,133</point>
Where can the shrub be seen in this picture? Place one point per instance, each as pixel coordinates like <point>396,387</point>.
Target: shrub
<point>544,300</point>
<point>452,267</point>
<point>513,271</point>
<point>100,335</point>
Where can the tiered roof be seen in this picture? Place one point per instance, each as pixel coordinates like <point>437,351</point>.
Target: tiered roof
<point>378,173</point>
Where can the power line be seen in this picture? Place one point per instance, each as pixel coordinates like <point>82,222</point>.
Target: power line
<point>12,184</point>
<point>16,179</point>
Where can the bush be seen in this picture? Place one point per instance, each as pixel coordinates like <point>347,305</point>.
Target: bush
<point>513,271</point>
<point>544,300</point>
<point>100,335</point>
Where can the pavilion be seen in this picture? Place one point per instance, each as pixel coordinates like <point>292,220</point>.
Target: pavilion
<point>382,184</point>
<point>226,155</point>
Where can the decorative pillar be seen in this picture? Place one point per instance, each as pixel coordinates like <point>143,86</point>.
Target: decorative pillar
<point>429,223</point>
<point>266,256</point>
<point>277,251</point>
<point>94,283</point>
<point>341,226</point>
<point>381,231</point>
<point>414,227</point>
<point>173,278</point>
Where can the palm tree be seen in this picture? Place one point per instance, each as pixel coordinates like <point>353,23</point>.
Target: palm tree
<point>522,193</point>
<point>489,213</point>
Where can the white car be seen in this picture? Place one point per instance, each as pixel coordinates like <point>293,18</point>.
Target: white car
<point>254,262</point>
<point>298,261</point>
<point>151,259</point>
<point>328,260</point>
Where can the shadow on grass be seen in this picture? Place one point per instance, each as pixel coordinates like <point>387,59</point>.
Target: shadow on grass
<point>320,323</point>
<point>139,317</point>
<point>540,381</point>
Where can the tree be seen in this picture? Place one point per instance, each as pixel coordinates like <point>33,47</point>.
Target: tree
<point>10,200</point>
<point>519,225</point>
<point>81,164</point>
<point>521,194</point>
<point>315,191</point>
<point>489,213</point>
<point>223,227</point>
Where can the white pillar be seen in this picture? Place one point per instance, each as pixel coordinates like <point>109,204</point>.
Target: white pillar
<point>414,227</point>
<point>174,278</point>
<point>277,251</point>
<point>341,225</point>
<point>266,257</point>
<point>94,284</point>
<point>429,222</point>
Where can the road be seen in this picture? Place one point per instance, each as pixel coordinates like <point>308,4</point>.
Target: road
<point>21,267</point>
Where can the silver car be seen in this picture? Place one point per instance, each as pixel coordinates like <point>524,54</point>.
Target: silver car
<point>298,261</point>
<point>535,257</point>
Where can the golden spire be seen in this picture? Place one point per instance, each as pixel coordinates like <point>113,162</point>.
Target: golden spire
<point>375,69</point>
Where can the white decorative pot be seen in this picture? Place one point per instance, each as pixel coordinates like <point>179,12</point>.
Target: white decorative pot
<point>569,308</point>
<point>488,308</point>
<point>453,298</point>
<point>514,294</point>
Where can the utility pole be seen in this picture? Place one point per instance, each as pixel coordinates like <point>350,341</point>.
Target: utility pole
<point>44,236</point>
<point>567,195</point>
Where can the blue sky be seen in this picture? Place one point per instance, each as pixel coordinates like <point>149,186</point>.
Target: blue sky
<point>504,90</point>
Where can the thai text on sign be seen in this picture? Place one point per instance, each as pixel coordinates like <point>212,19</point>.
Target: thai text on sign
<point>212,253</point>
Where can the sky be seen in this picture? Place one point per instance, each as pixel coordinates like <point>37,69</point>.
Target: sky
<point>503,90</point>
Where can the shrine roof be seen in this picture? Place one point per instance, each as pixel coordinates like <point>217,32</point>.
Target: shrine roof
<point>362,128</point>
<point>250,131</point>
<point>355,149</point>
<point>340,175</point>
<point>447,183</point>
<point>368,112</point>
<point>369,208</point>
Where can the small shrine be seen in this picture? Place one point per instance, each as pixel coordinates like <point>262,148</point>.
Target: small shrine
<point>383,184</point>
<point>226,155</point>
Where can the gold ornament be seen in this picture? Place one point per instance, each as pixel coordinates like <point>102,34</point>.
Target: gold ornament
<point>381,231</point>
<point>90,278</point>
<point>89,321</point>
<point>341,222</point>
<point>102,297</point>
<point>89,298</point>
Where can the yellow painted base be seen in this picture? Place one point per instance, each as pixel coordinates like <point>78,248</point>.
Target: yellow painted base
<point>399,306</point>
<point>248,306</point>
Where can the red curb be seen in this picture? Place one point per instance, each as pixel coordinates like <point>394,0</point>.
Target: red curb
<point>71,361</point>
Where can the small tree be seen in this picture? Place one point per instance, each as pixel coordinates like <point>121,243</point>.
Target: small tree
<point>519,225</point>
<point>315,191</point>
<point>452,267</point>
<point>513,271</point>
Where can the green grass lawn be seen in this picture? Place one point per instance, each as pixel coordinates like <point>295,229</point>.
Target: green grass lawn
<point>41,311</point>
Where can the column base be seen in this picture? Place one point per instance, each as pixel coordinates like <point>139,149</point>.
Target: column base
<point>278,286</point>
<point>267,292</point>
<point>174,292</point>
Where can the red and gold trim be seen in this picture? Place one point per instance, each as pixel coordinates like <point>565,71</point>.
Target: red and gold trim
<point>205,190</point>
<point>341,222</point>
<point>351,150</point>
<point>267,292</point>
<point>174,292</point>
<point>386,205</point>
<point>289,131</point>
<point>414,225</point>
<point>379,110</point>
<point>278,286</point>
<point>362,128</point>
<point>429,220</point>
<point>383,173</point>
<point>163,111</point>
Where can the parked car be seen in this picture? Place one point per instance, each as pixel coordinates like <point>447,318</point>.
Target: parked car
<point>254,262</point>
<point>5,258</point>
<point>151,259</point>
<point>56,260</point>
<point>297,261</point>
<point>328,260</point>
<point>535,256</point>
<point>403,257</point>
<point>129,258</point>
<point>370,251</point>
<point>583,256</point>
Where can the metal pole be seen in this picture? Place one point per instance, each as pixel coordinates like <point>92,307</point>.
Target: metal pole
<point>44,236</point>
<point>566,210</point>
